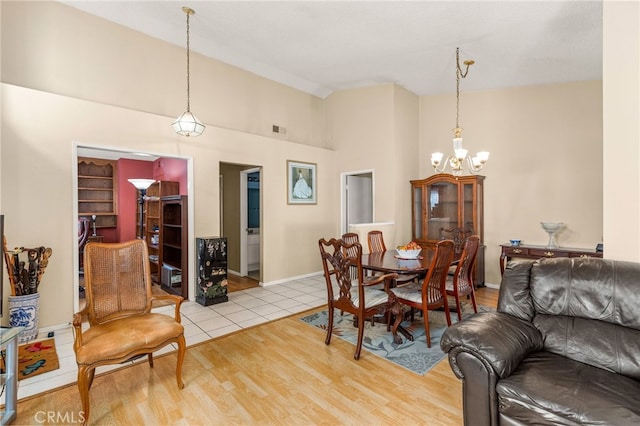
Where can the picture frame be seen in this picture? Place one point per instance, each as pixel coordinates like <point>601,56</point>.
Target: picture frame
<point>301,182</point>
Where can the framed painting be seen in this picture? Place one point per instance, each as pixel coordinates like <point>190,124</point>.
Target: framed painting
<point>301,182</point>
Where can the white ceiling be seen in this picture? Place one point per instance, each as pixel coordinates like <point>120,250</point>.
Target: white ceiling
<point>322,46</point>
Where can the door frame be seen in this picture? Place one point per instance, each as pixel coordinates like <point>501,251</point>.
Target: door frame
<point>123,151</point>
<point>244,207</point>
<point>344,208</point>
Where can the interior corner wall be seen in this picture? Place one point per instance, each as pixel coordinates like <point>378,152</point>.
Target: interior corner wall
<point>360,128</point>
<point>406,141</point>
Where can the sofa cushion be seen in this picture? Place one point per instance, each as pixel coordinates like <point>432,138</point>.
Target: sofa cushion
<point>550,389</point>
<point>600,289</point>
<point>598,343</point>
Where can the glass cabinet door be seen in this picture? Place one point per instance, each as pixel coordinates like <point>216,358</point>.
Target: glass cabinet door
<point>442,207</point>
<point>468,207</point>
<point>418,213</point>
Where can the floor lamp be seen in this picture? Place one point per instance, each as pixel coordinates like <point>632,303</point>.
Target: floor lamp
<point>141,185</point>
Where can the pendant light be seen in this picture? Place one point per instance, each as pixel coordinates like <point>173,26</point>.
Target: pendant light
<point>187,124</point>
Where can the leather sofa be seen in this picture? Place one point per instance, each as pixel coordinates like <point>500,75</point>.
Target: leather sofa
<point>563,347</point>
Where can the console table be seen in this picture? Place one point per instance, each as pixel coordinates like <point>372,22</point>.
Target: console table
<point>9,378</point>
<point>537,252</point>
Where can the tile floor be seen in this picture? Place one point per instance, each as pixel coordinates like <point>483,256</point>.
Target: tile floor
<point>244,309</point>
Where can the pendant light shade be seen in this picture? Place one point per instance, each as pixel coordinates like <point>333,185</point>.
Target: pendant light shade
<point>187,124</point>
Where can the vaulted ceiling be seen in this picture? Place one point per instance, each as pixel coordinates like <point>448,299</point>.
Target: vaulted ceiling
<point>322,46</point>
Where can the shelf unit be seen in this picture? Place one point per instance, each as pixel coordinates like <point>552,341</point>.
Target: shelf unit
<point>97,191</point>
<point>174,245</point>
<point>151,225</point>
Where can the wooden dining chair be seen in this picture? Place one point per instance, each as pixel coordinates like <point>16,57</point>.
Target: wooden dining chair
<point>118,309</point>
<point>431,294</point>
<point>354,296</point>
<point>375,240</point>
<point>461,283</point>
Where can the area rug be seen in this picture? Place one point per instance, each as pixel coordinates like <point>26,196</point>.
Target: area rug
<point>414,356</point>
<point>35,358</point>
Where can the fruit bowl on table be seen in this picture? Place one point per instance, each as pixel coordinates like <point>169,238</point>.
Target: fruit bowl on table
<point>408,254</point>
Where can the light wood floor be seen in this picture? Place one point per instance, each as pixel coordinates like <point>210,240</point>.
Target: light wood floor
<point>276,373</point>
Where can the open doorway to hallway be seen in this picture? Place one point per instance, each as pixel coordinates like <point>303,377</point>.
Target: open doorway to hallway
<point>357,198</point>
<point>241,220</point>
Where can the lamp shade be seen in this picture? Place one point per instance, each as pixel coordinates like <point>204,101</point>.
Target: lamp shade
<point>188,125</point>
<point>141,183</point>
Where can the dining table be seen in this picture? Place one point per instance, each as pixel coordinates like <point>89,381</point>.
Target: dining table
<point>389,261</point>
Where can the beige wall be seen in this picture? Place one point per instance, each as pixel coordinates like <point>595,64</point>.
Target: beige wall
<point>37,189</point>
<point>59,88</point>
<point>59,49</point>
<point>545,164</point>
<point>621,71</point>
<point>376,128</point>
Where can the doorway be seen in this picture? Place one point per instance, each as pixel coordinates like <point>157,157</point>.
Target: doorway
<point>357,198</point>
<point>241,217</point>
<point>125,225</point>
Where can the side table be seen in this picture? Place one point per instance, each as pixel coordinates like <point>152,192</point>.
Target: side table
<point>537,252</point>
<point>9,378</point>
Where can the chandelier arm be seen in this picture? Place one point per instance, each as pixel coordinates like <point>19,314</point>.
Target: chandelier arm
<point>473,168</point>
<point>442,163</point>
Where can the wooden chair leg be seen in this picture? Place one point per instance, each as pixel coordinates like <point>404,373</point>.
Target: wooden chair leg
<point>182,345</point>
<point>459,307</point>
<point>447,313</point>
<point>473,301</point>
<point>85,378</point>
<point>327,340</point>
<point>356,356</point>
<point>427,333</point>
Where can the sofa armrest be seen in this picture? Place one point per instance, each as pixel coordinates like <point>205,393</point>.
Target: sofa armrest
<point>499,340</point>
<point>482,349</point>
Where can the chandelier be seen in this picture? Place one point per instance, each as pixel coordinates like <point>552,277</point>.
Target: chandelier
<point>460,155</point>
<point>187,124</point>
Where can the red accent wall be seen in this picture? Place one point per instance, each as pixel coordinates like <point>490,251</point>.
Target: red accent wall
<point>171,169</point>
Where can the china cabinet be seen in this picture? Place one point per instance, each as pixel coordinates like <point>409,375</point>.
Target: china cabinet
<point>443,203</point>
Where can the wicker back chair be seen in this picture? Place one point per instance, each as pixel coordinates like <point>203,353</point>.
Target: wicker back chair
<point>118,308</point>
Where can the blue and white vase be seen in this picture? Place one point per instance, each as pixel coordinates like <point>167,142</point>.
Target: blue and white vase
<point>24,311</point>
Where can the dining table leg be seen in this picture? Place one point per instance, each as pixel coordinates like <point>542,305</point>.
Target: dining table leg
<point>395,309</point>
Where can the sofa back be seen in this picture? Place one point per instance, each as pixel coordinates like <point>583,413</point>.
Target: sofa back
<point>586,309</point>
